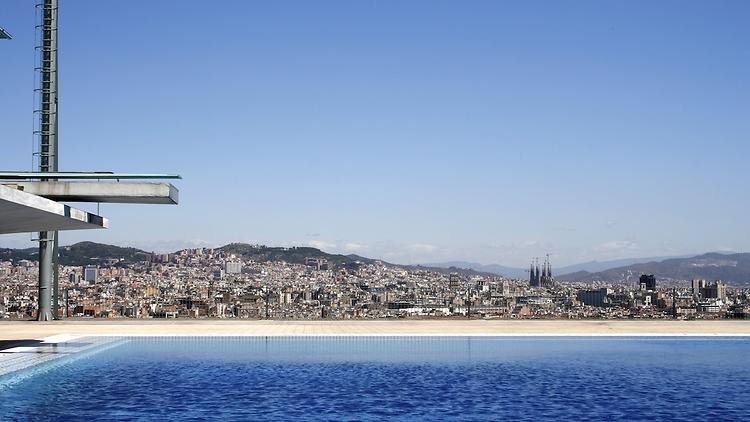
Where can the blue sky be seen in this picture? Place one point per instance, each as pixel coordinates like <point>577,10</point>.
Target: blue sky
<point>411,131</point>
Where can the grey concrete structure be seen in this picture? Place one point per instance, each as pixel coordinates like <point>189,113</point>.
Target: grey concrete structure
<point>22,212</point>
<point>107,192</point>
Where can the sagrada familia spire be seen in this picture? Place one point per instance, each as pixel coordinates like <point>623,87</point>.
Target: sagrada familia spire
<point>541,276</point>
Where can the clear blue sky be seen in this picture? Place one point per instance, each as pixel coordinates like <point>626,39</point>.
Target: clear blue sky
<point>412,131</point>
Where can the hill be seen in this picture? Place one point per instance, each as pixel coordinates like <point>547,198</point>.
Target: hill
<point>292,255</point>
<point>482,268</point>
<point>15,255</point>
<point>731,268</point>
<point>90,253</point>
<point>82,253</point>
<point>297,255</point>
<point>598,266</point>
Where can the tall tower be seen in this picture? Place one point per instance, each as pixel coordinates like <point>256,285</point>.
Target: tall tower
<point>46,132</point>
<point>546,277</point>
<point>535,273</point>
<point>538,278</point>
<point>44,183</point>
<point>648,281</point>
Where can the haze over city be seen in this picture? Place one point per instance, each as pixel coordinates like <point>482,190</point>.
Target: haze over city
<point>413,132</point>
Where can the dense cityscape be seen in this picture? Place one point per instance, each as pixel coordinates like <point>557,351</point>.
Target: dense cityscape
<point>213,283</point>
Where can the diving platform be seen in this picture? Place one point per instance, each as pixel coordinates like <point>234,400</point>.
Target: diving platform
<point>23,212</point>
<point>104,192</point>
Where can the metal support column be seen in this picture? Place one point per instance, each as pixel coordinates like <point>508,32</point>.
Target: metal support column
<point>56,277</point>
<point>46,273</point>
<point>47,134</point>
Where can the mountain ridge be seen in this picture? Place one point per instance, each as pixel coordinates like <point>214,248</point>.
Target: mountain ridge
<point>730,267</point>
<point>589,266</point>
<point>92,253</point>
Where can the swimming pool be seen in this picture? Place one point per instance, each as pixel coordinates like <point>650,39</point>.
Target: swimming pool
<point>386,378</point>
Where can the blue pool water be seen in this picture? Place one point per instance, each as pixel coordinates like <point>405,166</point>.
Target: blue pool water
<point>389,378</point>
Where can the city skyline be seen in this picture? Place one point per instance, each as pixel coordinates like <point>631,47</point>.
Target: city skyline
<point>251,282</point>
<point>414,133</point>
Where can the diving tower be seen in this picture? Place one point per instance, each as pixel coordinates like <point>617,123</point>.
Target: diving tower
<point>32,201</point>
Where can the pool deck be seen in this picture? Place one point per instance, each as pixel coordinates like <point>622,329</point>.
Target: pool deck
<point>32,330</point>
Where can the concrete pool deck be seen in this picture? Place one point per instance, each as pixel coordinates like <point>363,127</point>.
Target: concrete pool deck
<point>32,330</point>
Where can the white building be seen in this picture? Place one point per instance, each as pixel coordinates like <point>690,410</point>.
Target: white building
<point>233,267</point>
<point>90,273</point>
